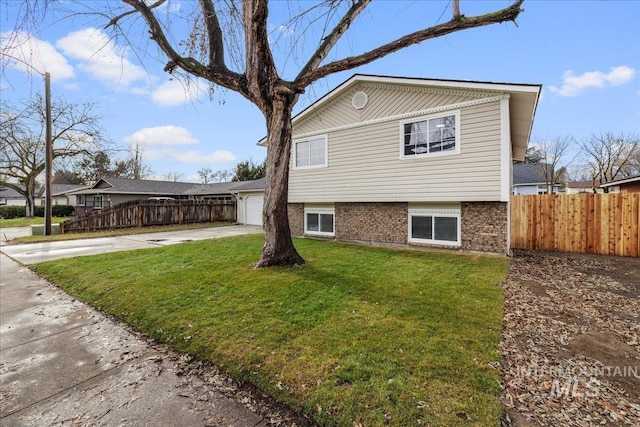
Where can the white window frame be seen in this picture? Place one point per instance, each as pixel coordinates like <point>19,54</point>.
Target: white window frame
<point>79,198</point>
<point>93,204</point>
<point>320,211</point>
<point>313,138</point>
<point>456,150</point>
<point>448,213</point>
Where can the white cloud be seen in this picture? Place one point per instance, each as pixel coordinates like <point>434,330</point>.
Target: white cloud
<point>573,85</point>
<point>177,92</point>
<point>161,135</point>
<point>38,54</point>
<point>219,156</point>
<point>101,57</point>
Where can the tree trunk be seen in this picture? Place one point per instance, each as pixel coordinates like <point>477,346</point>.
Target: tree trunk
<point>278,249</point>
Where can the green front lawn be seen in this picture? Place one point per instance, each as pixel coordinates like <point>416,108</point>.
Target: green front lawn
<point>25,222</point>
<point>358,335</point>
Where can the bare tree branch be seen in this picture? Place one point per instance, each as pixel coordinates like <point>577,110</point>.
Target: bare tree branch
<point>214,33</point>
<point>218,75</point>
<point>330,41</point>
<point>461,23</point>
<point>114,21</point>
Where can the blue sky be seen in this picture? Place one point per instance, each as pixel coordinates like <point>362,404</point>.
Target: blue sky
<point>586,54</point>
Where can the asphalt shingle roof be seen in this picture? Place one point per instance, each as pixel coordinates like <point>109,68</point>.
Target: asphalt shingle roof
<point>258,184</point>
<point>528,173</point>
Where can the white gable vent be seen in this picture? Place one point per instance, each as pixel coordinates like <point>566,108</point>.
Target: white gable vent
<point>359,100</point>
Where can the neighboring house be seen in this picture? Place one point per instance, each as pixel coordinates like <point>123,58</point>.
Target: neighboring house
<point>107,192</point>
<point>250,196</point>
<point>60,194</point>
<point>10,197</point>
<point>529,178</point>
<point>628,185</point>
<point>413,161</point>
<point>577,187</point>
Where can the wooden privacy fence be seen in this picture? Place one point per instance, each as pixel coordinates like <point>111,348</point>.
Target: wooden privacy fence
<point>583,223</point>
<point>144,213</point>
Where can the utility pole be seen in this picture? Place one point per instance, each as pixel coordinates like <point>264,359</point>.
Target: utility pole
<point>48,156</point>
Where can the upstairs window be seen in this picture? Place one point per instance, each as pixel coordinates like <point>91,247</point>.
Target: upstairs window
<point>430,136</point>
<point>310,153</point>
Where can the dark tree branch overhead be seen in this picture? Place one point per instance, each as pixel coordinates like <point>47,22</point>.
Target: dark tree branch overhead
<point>330,41</point>
<point>214,33</point>
<point>458,23</point>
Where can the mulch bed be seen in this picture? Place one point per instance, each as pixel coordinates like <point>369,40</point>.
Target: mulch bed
<point>571,341</point>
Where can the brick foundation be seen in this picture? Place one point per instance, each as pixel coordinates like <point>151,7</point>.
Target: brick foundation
<point>296,218</point>
<point>372,222</point>
<point>484,226</point>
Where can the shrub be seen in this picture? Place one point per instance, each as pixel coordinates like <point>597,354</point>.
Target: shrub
<point>10,212</point>
<point>62,210</point>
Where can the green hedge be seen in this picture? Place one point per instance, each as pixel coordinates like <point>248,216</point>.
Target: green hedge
<point>10,212</point>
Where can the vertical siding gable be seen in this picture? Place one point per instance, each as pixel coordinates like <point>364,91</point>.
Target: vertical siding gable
<point>384,100</point>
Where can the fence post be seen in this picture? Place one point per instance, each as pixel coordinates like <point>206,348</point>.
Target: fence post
<point>139,215</point>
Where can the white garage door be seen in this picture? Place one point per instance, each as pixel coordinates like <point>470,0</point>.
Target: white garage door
<point>253,209</point>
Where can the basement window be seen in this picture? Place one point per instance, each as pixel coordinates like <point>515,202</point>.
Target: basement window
<point>434,226</point>
<point>319,221</point>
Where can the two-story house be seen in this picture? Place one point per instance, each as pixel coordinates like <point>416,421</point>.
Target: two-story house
<point>395,160</point>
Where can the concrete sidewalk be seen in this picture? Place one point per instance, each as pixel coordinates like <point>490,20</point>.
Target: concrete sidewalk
<point>64,363</point>
<point>39,252</point>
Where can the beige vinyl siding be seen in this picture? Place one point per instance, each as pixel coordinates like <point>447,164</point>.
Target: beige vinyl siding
<point>365,165</point>
<point>383,101</point>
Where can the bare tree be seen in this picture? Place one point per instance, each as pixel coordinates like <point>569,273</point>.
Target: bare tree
<point>75,131</point>
<point>237,33</point>
<point>552,155</point>
<point>174,176</point>
<point>133,167</point>
<point>610,156</point>
<point>206,175</point>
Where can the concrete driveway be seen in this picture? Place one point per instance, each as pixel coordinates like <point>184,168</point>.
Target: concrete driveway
<point>39,252</point>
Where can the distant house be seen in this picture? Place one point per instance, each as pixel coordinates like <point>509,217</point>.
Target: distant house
<point>60,194</point>
<point>578,187</point>
<point>529,178</point>
<point>410,161</point>
<point>10,197</point>
<point>107,192</point>
<point>627,185</point>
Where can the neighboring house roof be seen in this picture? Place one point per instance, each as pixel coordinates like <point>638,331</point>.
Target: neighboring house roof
<point>207,189</point>
<point>622,181</point>
<point>61,189</point>
<point>10,193</point>
<point>257,184</point>
<point>155,188</point>
<point>137,186</point>
<point>528,173</point>
<point>523,101</point>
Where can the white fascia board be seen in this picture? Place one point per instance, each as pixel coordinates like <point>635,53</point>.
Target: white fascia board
<point>506,160</point>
